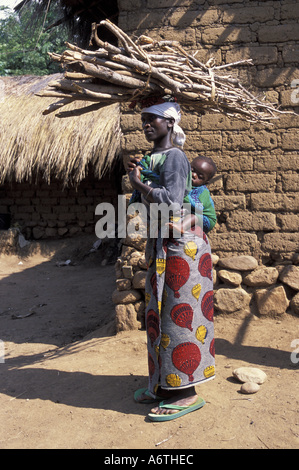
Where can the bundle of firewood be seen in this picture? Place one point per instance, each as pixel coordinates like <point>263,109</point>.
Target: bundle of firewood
<point>136,70</point>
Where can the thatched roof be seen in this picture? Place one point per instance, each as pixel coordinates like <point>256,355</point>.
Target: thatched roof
<point>34,145</point>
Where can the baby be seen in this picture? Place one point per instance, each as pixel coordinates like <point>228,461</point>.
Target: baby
<point>203,169</point>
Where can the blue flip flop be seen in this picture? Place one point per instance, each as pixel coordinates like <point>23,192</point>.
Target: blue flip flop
<point>182,410</point>
<point>146,392</point>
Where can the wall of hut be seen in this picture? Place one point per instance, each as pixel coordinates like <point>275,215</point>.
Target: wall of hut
<point>256,194</point>
<point>44,211</point>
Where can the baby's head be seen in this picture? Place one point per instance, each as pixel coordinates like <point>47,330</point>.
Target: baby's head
<point>203,169</point>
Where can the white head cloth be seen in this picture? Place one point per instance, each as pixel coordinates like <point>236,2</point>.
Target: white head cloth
<point>169,110</point>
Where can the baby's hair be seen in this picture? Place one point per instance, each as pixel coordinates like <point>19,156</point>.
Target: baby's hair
<point>211,163</point>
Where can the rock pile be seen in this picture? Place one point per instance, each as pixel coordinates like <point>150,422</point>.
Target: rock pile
<point>240,285</point>
<point>251,379</point>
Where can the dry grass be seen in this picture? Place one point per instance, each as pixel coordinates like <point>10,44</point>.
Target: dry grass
<point>33,144</point>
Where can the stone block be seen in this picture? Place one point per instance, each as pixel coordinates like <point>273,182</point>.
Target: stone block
<point>125,296</point>
<point>271,302</point>
<point>290,276</point>
<point>139,280</point>
<point>228,300</point>
<point>229,277</point>
<point>126,318</point>
<point>123,284</point>
<point>238,263</point>
<point>261,277</point>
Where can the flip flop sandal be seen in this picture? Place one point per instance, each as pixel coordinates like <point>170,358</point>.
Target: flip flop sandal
<point>182,410</point>
<point>150,399</point>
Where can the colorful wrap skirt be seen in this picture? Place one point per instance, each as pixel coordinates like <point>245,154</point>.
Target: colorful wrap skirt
<point>179,311</point>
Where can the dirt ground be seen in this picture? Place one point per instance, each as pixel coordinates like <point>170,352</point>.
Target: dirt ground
<point>67,381</point>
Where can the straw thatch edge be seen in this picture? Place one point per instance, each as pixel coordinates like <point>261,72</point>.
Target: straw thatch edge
<point>33,145</point>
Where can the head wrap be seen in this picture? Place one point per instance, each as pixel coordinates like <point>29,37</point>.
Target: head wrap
<point>169,110</point>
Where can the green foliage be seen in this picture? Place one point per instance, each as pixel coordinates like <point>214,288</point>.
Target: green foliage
<point>25,42</point>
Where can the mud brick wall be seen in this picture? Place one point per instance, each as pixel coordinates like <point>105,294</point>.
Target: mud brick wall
<point>257,192</point>
<point>50,211</point>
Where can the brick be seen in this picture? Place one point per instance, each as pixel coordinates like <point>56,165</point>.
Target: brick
<point>221,2</point>
<point>185,36</point>
<point>290,53</point>
<point>226,35</point>
<point>240,141</point>
<point>134,142</point>
<point>286,121</point>
<point>290,182</point>
<point>221,122</point>
<point>258,54</point>
<point>28,193</point>
<point>153,4</point>
<point>289,222</point>
<point>275,202</point>
<point>239,162</point>
<point>233,242</point>
<point>25,201</point>
<point>194,18</point>
<point>248,14</point>
<point>276,162</point>
<point>281,242</point>
<point>287,98</point>
<point>248,221</point>
<point>229,203</point>
<point>278,33</point>
<point>272,77</point>
<point>251,182</point>
<point>129,5</point>
<point>203,142</point>
<point>290,140</point>
<point>129,122</point>
<point>265,139</point>
<point>290,11</point>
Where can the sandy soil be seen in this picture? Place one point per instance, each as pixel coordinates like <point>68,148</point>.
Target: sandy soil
<point>68,381</point>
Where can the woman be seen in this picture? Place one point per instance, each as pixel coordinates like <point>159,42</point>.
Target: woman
<point>179,289</point>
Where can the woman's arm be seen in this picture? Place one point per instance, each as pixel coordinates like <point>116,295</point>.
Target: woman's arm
<point>134,174</point>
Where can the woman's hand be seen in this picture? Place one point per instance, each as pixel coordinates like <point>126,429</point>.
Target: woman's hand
<point>134,174</point>
<point>132,164</point>
<point>133,171</point>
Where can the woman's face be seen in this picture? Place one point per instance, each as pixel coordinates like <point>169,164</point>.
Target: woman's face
<point>155,127</point>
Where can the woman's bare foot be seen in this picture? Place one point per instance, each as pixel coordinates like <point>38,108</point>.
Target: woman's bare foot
<point>186,397</point>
